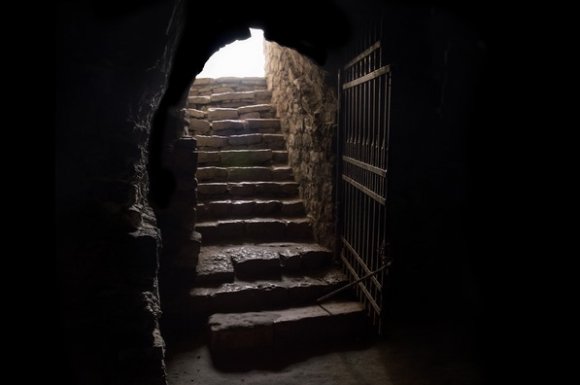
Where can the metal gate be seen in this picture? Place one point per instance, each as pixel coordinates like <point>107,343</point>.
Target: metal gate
<point>363,144</point>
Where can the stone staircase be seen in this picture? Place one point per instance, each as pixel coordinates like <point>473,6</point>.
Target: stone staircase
<point>259,271</point>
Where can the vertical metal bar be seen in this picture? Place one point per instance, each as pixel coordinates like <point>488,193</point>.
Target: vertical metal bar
<point>348,125</point>
<point>338,172</point>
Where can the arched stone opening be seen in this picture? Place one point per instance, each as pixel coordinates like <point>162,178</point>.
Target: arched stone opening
<point>113,73</point>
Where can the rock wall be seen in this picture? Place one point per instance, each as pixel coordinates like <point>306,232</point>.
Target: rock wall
<point>111,75</point>
<point>307,108</point>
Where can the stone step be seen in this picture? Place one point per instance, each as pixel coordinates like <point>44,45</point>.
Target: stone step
<point>231,333</point>
<point>238,296</point>
<point>229,82</point>
<point>253,157</point>
<point>221,263</point>
<point>220,209</point>
<point>244,174</point>
<point>229,127</point>
<point>228,79</point>
<point>266,111</point>
<point>244,190</point>
<point>238,142</point>
<point>212,113</point>
<point>233,99</point>
<point>255,230</point>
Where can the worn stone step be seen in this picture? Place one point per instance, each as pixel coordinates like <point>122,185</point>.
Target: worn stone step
<point>228,97</point>
<point>224,88</point>
<point>214,113</point>
<point>289,290</point>
<point>244,190</point>
<point>231,103</point>
<point>280,157</point>
<point>214,265</point>
<point>238,142</point>
<point>219,263</point>
<point>244,174</point>
<point>219,209</point>
<point>231,333</point>
<point>255,230</point>
<point>253,157</point>
<point>257,111</point>
<point>228,127</point>
<point>252,80</point>
<point>247,96</point>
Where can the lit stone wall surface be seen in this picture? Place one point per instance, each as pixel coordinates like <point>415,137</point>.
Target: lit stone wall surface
<point>306,107</point>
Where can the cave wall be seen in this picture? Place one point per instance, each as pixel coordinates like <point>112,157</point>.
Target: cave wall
<point>306,106</point>
<point>111,75</point>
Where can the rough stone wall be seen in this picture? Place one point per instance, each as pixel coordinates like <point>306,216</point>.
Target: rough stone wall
<point>111,74</point>
<point>307,107</point>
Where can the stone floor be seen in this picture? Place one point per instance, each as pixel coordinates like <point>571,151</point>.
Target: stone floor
<point>409,355</point>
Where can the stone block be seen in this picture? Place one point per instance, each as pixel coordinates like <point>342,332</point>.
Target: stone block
<point>263,94</point>
<point>253,262</point>
<point>242,209</point>
<point>255,108</point>
<point>226,335</point>
<point>233,96</point>
<point>208,157</point>
<point>214,266</point>
<point>228,125</point>
<point>249,173</point>
<point>290,260</point>
<point>250,115</point>
<point>280,157</point>
<point>266,229</point>
<point>244,140</point>
<point>192,113</point>
<point>193,100</point>
<point>222,113</point>
<point>212,188</point>
<point>282,173</point>
<point>221,90</point>
<point>268,207</point>
<point>241,189</point>
<point>263,124</point>
<point>289,188</point>
<point>211,173</point>
<point>245,157</point>
<point>199,125</point>
<point>231,229</point>
<point>299,229</point>
<point>292,208</point>
<point>219,209</point>
<point>212,141</point>
<point>275,141</point>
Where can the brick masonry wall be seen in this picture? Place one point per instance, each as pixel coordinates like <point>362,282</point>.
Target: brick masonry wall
<point>307,109</point>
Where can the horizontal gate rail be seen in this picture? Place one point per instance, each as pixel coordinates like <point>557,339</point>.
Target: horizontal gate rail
<point>370,76</point>
<point>363,54</point>
<point>364,189</point>
<point>366,166</point>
